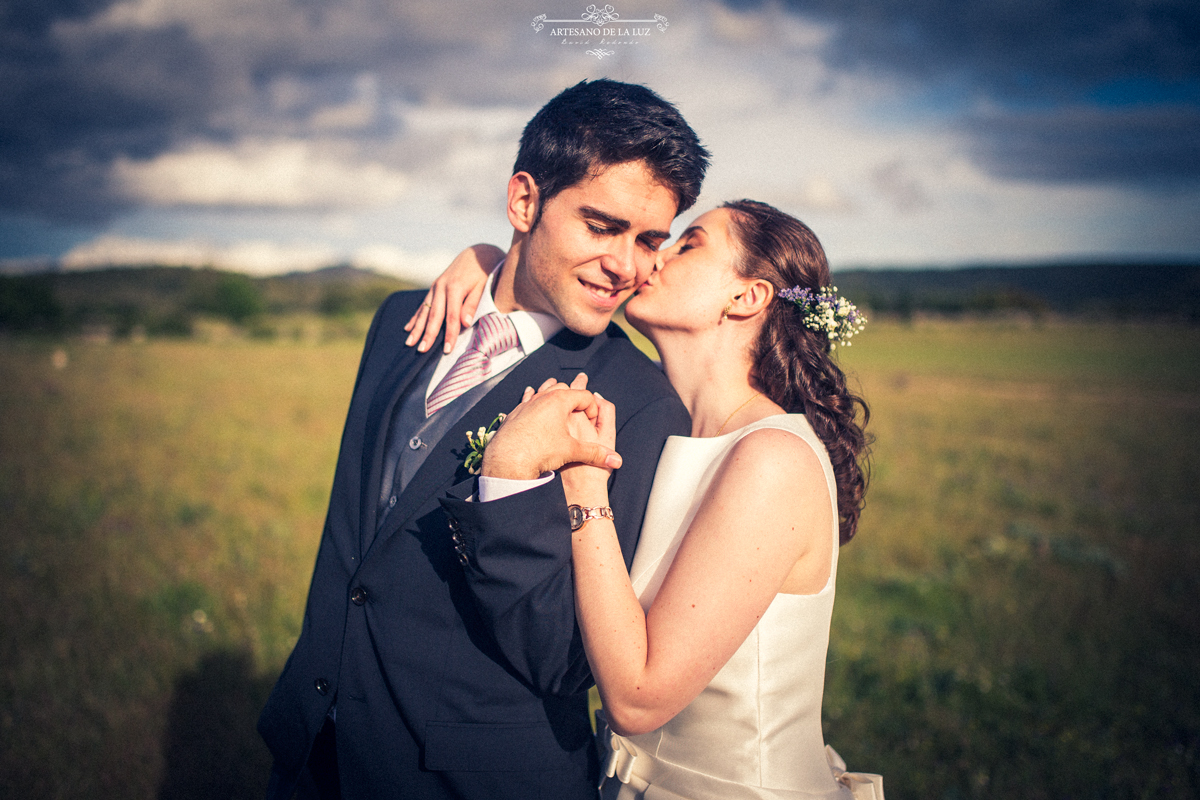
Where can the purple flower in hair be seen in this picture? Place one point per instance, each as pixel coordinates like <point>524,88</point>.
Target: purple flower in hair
<point>827,313</point>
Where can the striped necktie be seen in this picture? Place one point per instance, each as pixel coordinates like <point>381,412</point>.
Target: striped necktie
<point>494,334</point>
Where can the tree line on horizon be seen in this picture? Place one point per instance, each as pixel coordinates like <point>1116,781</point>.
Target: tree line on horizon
<point>168,301</point>
<point>1101,290</point>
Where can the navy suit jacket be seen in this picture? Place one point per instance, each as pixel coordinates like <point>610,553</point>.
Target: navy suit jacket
<point>448,637</point>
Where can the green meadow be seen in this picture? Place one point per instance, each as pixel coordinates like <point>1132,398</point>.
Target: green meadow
<point>1017,617</point>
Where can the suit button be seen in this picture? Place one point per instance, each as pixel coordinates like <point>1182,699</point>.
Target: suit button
<point>462,558</point>
<point>453,524</point>
<point>358,595</point>
<point>392,501</point>
<point>322,686</point>
<point>415,443</point>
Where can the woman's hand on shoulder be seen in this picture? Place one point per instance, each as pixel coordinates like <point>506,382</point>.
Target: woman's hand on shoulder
<point>453,297</point>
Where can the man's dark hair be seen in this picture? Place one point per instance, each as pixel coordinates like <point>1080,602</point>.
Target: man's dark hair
<point>601,123</point>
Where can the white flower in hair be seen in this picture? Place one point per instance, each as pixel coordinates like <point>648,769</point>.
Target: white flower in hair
<point>825,312</point>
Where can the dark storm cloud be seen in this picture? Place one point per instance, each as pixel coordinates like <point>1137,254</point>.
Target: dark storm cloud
<point>1075,90</point>
<point>79,90</point>
<point>1017,48</point>
<point>1157,147</point>
<point>68,105</point>
<point>65,112</point>
<point>35,16</point>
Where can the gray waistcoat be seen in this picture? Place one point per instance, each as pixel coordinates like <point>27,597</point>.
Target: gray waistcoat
<point>411,434</point>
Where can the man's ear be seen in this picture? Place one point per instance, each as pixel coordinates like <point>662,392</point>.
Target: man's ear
<point>522,201</point>
<point>754,298</point>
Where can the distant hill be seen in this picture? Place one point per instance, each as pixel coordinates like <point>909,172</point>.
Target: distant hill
<point>168,300</point>
<point>1103,289</point>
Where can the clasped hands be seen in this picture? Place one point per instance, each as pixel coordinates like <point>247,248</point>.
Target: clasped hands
<point>558,427</point>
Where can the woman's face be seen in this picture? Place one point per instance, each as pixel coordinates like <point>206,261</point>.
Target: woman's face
<point>693,279</point>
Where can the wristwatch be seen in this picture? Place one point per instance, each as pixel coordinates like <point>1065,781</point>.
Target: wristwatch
<point>581,514</point>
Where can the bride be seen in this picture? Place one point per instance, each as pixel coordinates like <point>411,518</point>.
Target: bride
<point>710,653</point>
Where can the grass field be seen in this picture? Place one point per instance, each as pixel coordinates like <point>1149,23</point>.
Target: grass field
<point>1017,617</point>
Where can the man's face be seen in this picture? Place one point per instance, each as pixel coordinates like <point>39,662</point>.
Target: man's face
<point>595,243</point>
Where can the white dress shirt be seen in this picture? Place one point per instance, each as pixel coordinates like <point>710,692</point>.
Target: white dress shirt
<point>533,329</point>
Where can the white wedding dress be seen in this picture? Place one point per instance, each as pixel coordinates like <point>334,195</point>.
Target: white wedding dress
<point>755,731</point>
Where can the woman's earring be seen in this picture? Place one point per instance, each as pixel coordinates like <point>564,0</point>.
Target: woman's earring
<point>725,313</point>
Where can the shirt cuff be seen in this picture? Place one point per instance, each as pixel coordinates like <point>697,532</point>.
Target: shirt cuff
<point>492,488</point>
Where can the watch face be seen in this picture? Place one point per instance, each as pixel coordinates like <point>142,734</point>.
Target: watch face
<point>575,514</point>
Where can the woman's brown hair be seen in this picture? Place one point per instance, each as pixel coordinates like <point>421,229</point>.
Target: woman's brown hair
<point>792,363</point>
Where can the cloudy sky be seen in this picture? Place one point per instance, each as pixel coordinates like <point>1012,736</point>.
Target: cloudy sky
<point>270,135</point>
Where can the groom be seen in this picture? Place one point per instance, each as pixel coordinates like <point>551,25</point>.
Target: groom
<point>439,656</point>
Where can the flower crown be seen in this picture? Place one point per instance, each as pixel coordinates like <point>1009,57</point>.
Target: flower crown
<point>827,313</point>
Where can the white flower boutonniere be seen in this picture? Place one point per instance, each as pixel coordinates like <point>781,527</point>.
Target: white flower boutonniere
<point>477,442</point>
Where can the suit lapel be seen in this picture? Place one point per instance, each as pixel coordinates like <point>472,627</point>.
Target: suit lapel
<point>561,357</point>
<point>406,367</point>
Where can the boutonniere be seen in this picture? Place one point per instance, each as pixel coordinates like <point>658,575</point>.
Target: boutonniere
<point>478,441</point>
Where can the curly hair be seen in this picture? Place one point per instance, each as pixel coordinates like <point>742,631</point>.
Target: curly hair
<point>792,363</point>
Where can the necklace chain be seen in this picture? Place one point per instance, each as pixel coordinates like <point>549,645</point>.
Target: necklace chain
<point>739,408</point>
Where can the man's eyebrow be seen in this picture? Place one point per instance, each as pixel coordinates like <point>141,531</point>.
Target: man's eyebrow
<point>620,224</point>
<point>616,222</point>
